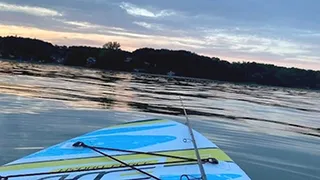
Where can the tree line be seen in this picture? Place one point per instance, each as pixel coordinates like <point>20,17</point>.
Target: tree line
<point>157,61</point>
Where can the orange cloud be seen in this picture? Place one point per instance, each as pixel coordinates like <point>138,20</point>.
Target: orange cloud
<point>131,41</point>
<point>128,40</point>
<point>65,38</point>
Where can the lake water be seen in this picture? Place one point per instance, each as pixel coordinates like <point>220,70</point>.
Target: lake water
<point>272,133</point>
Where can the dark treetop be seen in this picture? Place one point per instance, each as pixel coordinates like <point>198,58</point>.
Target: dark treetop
<point>157,61</point>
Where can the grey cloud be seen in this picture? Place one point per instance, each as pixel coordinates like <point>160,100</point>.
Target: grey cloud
<point>248,28</point>
<point>134,10</point>
<point>32,10</point>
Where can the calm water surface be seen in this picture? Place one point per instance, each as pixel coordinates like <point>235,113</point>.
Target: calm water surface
<point>272,133</point>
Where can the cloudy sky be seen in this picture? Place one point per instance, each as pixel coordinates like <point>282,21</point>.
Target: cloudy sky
<point>282,32</point>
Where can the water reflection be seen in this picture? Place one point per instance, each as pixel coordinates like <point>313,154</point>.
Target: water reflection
<point>272,133</point>
<point>262,107</point>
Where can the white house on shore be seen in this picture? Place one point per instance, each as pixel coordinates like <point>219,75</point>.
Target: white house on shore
<point>91,61</point>
<point>171,73</point>
<point>128,59</point>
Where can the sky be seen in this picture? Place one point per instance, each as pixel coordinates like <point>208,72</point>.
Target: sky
<point>280,32</point>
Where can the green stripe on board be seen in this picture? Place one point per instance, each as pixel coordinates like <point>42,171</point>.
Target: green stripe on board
<point>136,123</point>
<point>205,153</point>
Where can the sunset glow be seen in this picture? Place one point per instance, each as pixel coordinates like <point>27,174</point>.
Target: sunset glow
<point>155,25</point>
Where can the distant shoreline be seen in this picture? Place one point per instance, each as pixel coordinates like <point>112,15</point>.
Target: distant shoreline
<point>162,62</point>
<point>161,75</point>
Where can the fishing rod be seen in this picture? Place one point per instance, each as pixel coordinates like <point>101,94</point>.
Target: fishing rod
<point>203,174</point>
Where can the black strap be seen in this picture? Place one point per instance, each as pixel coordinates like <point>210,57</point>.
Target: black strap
<point>208,160</point>
<point>3,178</point>
<point>81,144</point>
<point>188,177</point>
<point>94,148</point>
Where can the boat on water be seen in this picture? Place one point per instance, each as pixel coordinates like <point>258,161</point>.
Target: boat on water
<point>138,150</point>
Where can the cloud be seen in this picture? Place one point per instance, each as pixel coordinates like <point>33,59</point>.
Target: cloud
<point>84,25</point>
<point>229,46</point>
<point>308,33</point>
<point>251,43</point>
<point>138,11</point>
<point>146,25</point>
<point>127,34</point>
<point>94,1</point>
<point>187,45</point>
<point>130,39</point>
<point>32,10</point>
<point>306,58</point>
<point>80,24</point>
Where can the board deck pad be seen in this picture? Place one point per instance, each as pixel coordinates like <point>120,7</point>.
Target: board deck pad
<point>65,162</point>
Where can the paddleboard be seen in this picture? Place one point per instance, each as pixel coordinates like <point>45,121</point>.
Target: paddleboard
<point>147,149</point>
